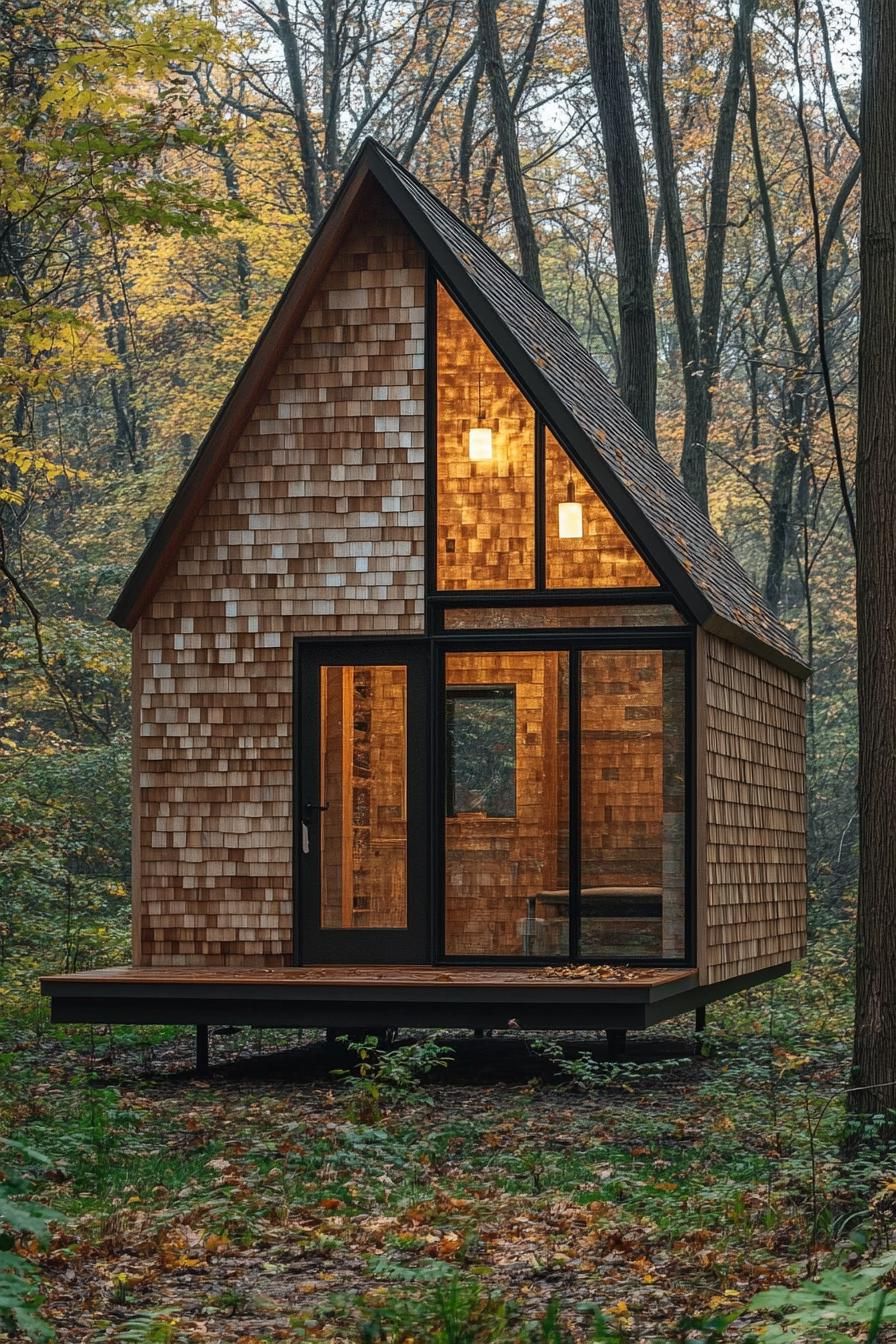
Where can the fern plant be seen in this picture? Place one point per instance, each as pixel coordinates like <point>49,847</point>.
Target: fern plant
<point>20,1216</point>
<point>832,1308</point>
<point>382,1075</point>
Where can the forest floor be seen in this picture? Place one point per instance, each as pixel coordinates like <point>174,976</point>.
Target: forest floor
<point>511,1195</point>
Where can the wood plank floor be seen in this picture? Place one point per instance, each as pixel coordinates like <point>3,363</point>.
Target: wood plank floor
<point>509,977</point>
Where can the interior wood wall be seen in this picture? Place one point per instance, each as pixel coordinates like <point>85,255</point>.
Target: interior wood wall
<point>486,510</point>
<point>364,787</point>
<point>755,872</point>
<point>316,524</point>
<point>493,863</point>
<point>603,557</point>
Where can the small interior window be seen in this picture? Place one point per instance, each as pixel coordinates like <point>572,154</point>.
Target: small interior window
<point>481,742</point>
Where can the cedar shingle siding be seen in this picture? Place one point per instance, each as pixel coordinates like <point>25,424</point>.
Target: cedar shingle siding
<point>315,524</point>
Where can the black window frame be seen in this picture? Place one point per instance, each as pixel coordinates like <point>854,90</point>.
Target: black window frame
<point>574,643</point>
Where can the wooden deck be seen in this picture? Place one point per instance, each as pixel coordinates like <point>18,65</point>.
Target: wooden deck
<point>374,997</point>
<point>404,977</point>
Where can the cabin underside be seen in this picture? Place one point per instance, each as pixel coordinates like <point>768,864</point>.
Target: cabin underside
<point>371,999</point>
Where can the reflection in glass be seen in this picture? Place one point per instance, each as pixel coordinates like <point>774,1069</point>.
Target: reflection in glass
<point>560,618</point>
<point>481,734</point>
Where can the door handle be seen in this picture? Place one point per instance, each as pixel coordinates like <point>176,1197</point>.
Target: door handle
<point>315,807</point>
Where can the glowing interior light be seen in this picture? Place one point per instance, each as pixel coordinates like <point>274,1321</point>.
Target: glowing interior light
<point>569,515</point>
<point>480,444</point>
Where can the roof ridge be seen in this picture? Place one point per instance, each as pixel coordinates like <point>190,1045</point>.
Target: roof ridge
<point>468,228</point>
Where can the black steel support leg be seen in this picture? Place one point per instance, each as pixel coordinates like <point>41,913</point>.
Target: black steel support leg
<point>699,1028</point>
<point>616,1043</point>
<point>202,1050</point>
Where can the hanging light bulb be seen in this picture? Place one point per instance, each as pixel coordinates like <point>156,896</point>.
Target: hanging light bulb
<point>480,439</point>
<point>480,444</point>
<point>569,514</point>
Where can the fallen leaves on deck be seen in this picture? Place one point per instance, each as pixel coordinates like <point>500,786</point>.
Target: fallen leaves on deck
<point>577,971</point>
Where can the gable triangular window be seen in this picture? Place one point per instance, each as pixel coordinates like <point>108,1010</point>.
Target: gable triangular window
<point>584,545</point>
<point>494,458</point>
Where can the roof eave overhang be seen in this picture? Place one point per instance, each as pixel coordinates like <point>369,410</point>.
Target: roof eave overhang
<point>736,634</point>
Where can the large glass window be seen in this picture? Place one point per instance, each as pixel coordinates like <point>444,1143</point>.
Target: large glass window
<point>633,796</point>
<point>489,482</point>
<point>585,547</point>
<point>508,877</point>
<point>507,742</point>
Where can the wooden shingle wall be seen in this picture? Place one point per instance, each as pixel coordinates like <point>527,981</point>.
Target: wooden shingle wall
<point>315,524</point>
<point>756,813</point>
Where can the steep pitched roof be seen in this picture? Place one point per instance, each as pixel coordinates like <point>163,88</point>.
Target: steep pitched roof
<point>546,357</point>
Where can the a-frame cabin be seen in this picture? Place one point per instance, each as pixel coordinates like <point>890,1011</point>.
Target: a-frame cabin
<point>441,681</point>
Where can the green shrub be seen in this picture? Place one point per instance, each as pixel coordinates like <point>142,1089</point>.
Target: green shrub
<point>388,1074</point>
<point>830,1308</point>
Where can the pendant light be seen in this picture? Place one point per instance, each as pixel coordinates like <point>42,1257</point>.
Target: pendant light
<point>480,440</point>
<point>569,514</point>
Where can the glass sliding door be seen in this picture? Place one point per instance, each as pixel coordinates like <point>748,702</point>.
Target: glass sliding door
<point>533,868</point>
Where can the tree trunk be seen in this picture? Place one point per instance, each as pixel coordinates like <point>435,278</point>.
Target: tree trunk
<point>465,153</point>
<point>699,340</point>
<point>331,92</point>
<point>676,249</point>
<point>795,382</point>
<point>505,125</point>
<point>307,147</point>
<point>794,434</point>
<point>628,212</point>
<point>874,1060</point>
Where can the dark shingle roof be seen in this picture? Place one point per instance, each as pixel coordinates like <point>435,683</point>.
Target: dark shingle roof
<point>546,357</point>
<point>584,390</point>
